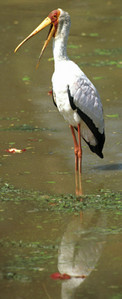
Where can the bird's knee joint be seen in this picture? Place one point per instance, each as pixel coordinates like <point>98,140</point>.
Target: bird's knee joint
<point>76,151</point>
<point>79,153</point>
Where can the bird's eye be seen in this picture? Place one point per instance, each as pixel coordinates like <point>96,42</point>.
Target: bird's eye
<point>55,16</point>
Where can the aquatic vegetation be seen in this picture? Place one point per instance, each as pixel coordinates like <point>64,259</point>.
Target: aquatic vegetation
<point>106,200</point>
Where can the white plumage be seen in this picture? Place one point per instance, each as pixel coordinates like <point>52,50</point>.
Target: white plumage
<point>85,97</point>
<point>73,93</point>
<point>68,75</point>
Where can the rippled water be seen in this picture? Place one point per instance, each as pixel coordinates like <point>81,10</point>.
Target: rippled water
<point>35,244</point>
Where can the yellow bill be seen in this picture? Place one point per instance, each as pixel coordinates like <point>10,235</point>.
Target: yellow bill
<point>44,24</point>
<point>51,33</point>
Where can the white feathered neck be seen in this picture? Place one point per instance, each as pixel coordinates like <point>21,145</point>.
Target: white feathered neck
<point>60,40</point>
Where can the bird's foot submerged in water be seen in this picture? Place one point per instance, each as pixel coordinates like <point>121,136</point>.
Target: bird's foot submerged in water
<point>78,184</point>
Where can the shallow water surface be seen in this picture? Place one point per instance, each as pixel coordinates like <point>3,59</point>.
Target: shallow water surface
<point>36,244</point>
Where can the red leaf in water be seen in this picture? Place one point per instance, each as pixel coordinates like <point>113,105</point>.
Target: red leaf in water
<point>80,276</point>
<point>15,150</point>
<point>55,275</point>
<point>58,275</point>
<point>64,276</point>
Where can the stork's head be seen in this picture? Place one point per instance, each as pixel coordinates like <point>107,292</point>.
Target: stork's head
<point>58,20</point>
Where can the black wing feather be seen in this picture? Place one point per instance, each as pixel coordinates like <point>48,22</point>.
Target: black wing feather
<point>99,137</point>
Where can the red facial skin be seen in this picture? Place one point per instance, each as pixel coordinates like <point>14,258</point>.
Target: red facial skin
<point>54,16</point>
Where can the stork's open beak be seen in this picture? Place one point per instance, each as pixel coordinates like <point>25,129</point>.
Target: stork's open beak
<point>44,24</point>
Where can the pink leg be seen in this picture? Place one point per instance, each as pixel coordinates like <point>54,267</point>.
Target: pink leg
<point>76,159</point>
<point>79,161</point>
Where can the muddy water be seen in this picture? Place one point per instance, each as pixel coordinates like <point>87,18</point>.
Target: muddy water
<point>35,244</point>
<point>95,44</point>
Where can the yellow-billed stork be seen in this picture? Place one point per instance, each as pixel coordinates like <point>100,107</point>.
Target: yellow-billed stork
<point>73,93</point>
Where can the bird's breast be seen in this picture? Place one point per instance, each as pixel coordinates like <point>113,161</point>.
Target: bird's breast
<point>64,107</point>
